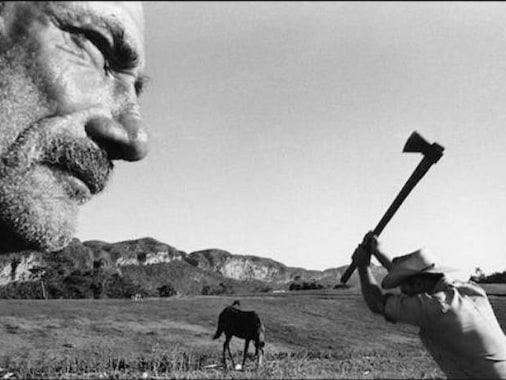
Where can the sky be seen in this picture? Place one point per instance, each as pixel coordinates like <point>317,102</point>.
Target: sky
<point>277,130</point>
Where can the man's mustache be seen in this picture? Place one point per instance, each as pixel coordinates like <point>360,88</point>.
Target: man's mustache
<point>81,158</point>
<point>77,156</point>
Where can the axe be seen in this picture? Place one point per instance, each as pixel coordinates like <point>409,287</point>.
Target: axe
<point>431,154</point>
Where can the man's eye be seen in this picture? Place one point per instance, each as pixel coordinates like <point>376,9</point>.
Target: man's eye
<point>103,45</point>
<point>83,38</point>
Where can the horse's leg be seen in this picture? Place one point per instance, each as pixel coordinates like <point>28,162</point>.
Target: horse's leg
<point>223,358</point>
<point>225,348</point>
<point>259,352</point>
<point>228,349</point>
<point>260,357</point>
<point>246,346</point>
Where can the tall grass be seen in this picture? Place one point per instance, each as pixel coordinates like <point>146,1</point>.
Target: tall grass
<point>105,362</point>
<point>179,363</point>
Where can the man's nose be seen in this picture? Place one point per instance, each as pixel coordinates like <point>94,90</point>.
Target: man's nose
<point>123,139</point>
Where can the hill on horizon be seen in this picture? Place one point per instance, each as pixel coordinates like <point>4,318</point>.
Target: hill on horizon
<point>148,267</point>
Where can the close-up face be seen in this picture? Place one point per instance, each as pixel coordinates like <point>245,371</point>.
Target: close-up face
<point>70,76</point>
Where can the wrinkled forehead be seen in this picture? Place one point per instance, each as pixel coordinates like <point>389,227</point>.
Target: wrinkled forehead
<point>128,15</point>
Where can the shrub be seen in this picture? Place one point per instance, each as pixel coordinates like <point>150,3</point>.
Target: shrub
<point>305,285</point>
<point>118,286</point>
<point>494,278</point>
<point>167,290</point>
<point>22,290</point>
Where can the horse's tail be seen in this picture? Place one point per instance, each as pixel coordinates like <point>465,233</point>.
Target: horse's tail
<point>219,330</point>
<point>217,334</point>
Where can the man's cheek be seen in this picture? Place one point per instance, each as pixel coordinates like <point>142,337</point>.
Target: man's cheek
<point>65,76</point>
<point>20,107</point>
<point>76,88</point>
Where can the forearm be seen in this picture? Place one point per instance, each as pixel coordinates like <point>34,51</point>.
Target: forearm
<point>371,291</point>
<point>371,243</point>
<point>383,259</point>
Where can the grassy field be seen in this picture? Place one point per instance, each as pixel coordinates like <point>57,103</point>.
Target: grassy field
<point>309,334</point>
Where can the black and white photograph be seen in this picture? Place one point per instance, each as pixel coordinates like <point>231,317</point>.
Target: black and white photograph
<point>252,190</point>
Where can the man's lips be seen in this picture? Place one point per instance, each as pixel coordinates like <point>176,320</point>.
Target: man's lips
<point>75,187</point>
<point>78,179</point>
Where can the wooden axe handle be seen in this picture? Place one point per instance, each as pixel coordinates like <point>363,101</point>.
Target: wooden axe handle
<point>415,177</point>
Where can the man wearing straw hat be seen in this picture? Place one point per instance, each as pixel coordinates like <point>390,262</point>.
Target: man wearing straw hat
<point>457,323</point>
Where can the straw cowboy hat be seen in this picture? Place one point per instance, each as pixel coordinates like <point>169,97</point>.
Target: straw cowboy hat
<point>418,262</point>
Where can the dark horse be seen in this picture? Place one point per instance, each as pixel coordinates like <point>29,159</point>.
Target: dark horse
<point>242,324</point>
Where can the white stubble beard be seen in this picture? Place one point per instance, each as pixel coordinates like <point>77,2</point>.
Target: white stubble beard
<point>34,211</point>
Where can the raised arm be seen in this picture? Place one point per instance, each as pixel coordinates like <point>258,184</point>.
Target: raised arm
<point>371,291</point>
<point>371,243</point>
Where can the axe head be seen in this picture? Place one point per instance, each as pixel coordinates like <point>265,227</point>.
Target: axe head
<point>417,144</point>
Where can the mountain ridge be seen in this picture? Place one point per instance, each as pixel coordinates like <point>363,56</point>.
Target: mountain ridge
<point>149,265</point>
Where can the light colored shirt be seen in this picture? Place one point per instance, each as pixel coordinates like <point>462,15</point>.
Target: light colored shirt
<point>457,326</point>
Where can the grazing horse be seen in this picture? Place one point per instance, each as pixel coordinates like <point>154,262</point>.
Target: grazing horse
<point>242,324</point>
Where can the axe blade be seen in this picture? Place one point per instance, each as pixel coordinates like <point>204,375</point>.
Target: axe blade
<point>417,144</point>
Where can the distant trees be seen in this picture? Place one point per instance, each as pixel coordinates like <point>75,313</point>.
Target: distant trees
<point>304,285</point>
<point>494,278</point>
<point>478,275</point>
<point>220,288</point>
<point>167,290</point>
<point>21,290</point>
<point>231,286</point>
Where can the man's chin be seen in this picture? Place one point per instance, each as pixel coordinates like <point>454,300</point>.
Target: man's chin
<point>26,240</point>
<point>31,232</point>
<point>37,212</point>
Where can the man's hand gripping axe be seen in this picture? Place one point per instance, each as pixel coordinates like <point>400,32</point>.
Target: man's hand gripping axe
<point>431,154</point>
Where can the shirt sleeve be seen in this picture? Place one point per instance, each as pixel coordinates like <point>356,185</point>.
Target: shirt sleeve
<point>407,309</point>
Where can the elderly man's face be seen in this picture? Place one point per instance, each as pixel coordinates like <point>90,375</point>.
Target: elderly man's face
<point>70,76</point>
